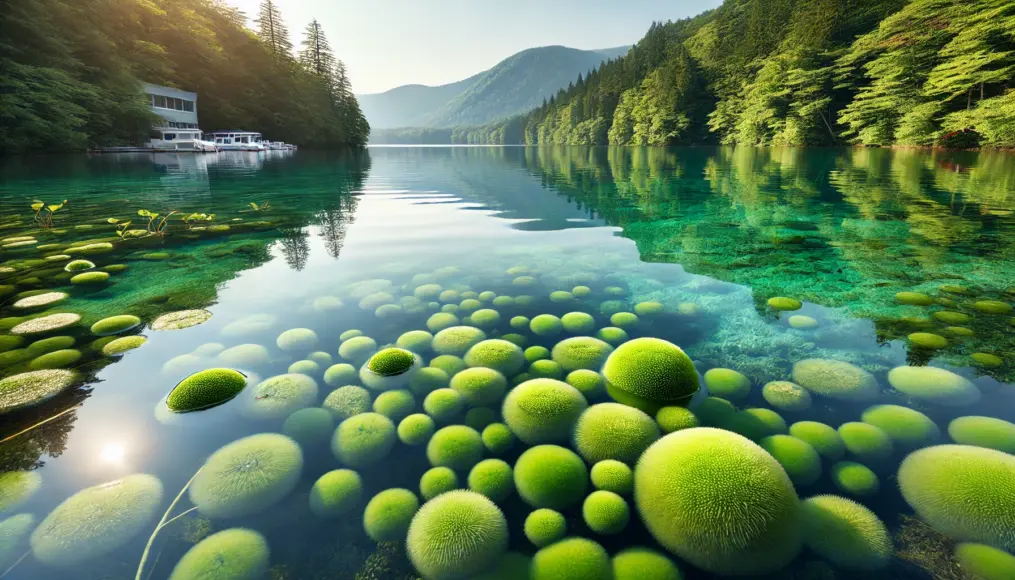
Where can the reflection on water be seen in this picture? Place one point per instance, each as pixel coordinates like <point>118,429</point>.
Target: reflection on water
<point>710,234</point>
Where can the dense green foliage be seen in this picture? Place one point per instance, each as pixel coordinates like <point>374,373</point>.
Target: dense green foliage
<point>795,72</point>
<point>73,72</point>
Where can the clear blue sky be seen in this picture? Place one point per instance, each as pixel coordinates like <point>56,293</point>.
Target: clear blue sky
<point>387,43</point>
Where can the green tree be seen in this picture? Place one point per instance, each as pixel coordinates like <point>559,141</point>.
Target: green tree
<point>271,29</point>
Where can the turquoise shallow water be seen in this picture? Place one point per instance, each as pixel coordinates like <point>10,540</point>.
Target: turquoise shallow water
<point>710,234</point>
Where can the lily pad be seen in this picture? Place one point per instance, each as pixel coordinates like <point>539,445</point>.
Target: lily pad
<point>31,388</point>
<point>47,323</point>
<point>180,320</point>
<point>40,300</point>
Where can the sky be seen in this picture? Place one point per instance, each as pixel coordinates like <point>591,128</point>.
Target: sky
<point>389,43</point>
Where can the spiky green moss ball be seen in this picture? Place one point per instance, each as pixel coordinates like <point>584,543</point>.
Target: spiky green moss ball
<point>363,439</point>
<point>835,379</point>
<point>247,476</point>
<point>561,297</point>
<point>441,320</point>
<point>55,360</point>
<point>613,475</point>
<point>727,384</point>
<point>389,513</point>
<point>672,419</point>
<point>278,396</point>
<point>90,278</point>
<point>416,429</point>
<point>801,462</point>
<point>927,340</point>
<point>581,352</point>
<point>444,405</point>
<point>755,424</point>
<point>123,344</point>
<point>983,432</point>
<point>469,305</point>
<point>581,291</point>
<point>428,380</point>
<point>456,446</point>
<point>498,438</point>
<point>713,411</point>
<point>572,559</point>
<point>907,427</point>
<point>719,501</point>
<point>845,533</point>
<point>502,356</point>
<point>485,318</point>
<point>347,401</point>
<point>986,360</point>
<point>578,323</point>
<point>783,304</point>
<point>856,479</point>
<point>644,564</point>
<point>867,443</point>
<point>395,405</point>
<point>786,396</point>
<point>985,562</point>
<point>417,341</point>
<point>336,493</point>
<point>823,438</point>
<point>389,368</point>
<point>456,535</point>
<point>934,385</point>
<point>519,322</point>
<point>78,266</point>
<point>589,383</point>
<point>457,340</point>
<point>492,478</point>
<point>992,307</point>
<point>612,335</point>
<point>437,480</point>
<point>963,492</point>
<point>544,527</point>
<point>311,426</point>
<point>16,487</point>
<point>614,431</point>
<point>649,309</point>
<point>649,373</point>
<point>543,410</point>
<point>54,343</point>
<point>626,320</point>
<point>545,369</point>
<point>233,554</point>
<point>340,375</point>
<point>479,417</point>
<point>606,512</point>
<point>205,389</point>
<point>357,349</point>
<point>546,325</point>
<point>115,325</point>
<point>550,476</point>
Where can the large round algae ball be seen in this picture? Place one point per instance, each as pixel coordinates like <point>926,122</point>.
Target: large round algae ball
<point>950,317</point>
<point>649,309</point>
<point>485,318</point>
<point>444,405</point>
<point>244,355</point>
<point>57,359</point>
<point>561,297</point>
<point>613,475</point>
<point>713,411</point>
<point>90,278</point>
<point>835,379</point>
<point>719,501</point>
<point>612,335</point>
<point>279,396</point>
<point>855,479</point>
<point>205,389</point>
<point>480,386</point>
<point>441,320</point>
<point>624,320</point>
<point>417,341</point>
<point>550,476</point>
<point>614,431</point>
<point>437,480</point>
<point>985,562</point>
<point>336,493</point>
<point>543,410</point>
<point>546,325</point>
<point>311,426</point>
<point>389,513</point>
<point>983,432</point>
<point>992,307</point>
<point>357,349</point>
<point>502,356</point>
<point>606,512</point>
<point>927,340</point>
<point>492,478</point>
<point>297,340</point>
<point>389,368</point>
<point>986,360</point>
<point>519,322</point>
<point>115,325</point>
<point>914,299</point>
<point>963,492</point>
<point>340,375</point>
<point>455,535</point>
<point>449,363</point>
<point>247,476</point>
<point>456,446</point>
<point>846,533</point>
<point>395,405</point>
<point>347,401</point>
<point>801,462</point>
<point>572,559</point>
<point>498,438</point>
<point>428,292</point>
<point>44,324</point>
<point>416,429</point>
<point>786,396</point>
<point>578,323</point>
<point>363,439</point>
<point>672,419</point>
<point>727,384</point>
<point>123,344</point>
<point>233,554</point>
<point>867,443</point>
<point>544,527</point>
<point>428,380</point>
<point>469,305</point>
<point>907,427</point>
<point>545,369</point>
<point>34,387</point>
<point>934,385</point>
<point>649,373</point>
<point>589,383</point>
<point>644,564</point>
<point>457,340</point>
<point>581,352</point>
<point>96,521</point>
<point>755,424</point>
<point>823,438</point>
<point>783,304</point>
<point>16,487</point>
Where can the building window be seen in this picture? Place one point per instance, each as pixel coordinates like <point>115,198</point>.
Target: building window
<point>170,136</point>
<point>188,106</point>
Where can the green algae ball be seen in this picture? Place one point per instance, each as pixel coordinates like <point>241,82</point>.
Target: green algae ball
<point>395,405</point>
<point>13,531</point>
<point>605,512</point>
<point>581,352</point>
<point>855,479</point>
<point>479,417</point>
<point>613,475</point>
<point>416,429</point>
<point>90,278</point>
<point>983,432</point>
<point>644,564</point>
<point>755,424</point>
<point>309,426</point>
<point>545,369</point>
<point>578,323</point>
<point>561,297</point>
<point>449,363</point>
<point>205,389</point>
<point>544,527</point>
<point>934,385</point>
<point>457,340</point>
<point>357,349</point>
<point>347,401</point>
<point>951,318</point>
<point>649,373</point>
<point>546,325</point>
<point>497,438</point>
<point>336,493</point>
<point>297,340</point>
<point>417,341</point>
<point>428,292</point>
<point>914,299</point>
<point>927,340</point>
<point>340,375</point>
<point>719,501</point>
<point>389,513</point>
<point>115,325</point>
<point>801,322</point>
<point>441,320</point>
<point>485,318</point>
<point>480,386</point>
<point>835,379</point>
<point>469,304</point>
<point>907,427</point>
<point>304,367</point>
<point>959,331</point>
<point>572,559</point>
<point>786,396</point>
<point>727,384</point>
<point>823,438</point>
<point>992,307</point>
<point>233,554</point>
<point>428,380</point>
<point>612,335</point>
<point>363,439</point>
<point>55,360</point>
<point>613,431</point>
<point>672,419</point>
<point>322,358</point>
<point>389,368</point>
<point>278,396</point>
<point>534,353</point>
<point>648,309</point>
<point>457,446</point>
<point>867,443</point>
<point>846,533</point>
<point>543,410</point>
<point>986,360</point>
<point>713,411</point>
<point>437,480</point>
<point>123,344</point>
<point>624,320</point>
<point>589,383</point>
<point>78,266</point>
<point>444,405</point>
<point>17,487</point>
<point>247,476</point>
<point>519,322</point>
<point>985,562</point>
<point>492,478</point>
<point>502,356</point>
<point>503,301</point>
<point>783,304</point>
<point>550,476</point>
<point>455,535</point>
<point>801,462</point>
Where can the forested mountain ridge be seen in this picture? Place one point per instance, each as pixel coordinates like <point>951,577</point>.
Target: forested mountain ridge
<point>72,72</point>
<point>795,72</point>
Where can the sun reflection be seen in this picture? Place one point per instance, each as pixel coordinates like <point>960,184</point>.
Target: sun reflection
<point>112,453</point>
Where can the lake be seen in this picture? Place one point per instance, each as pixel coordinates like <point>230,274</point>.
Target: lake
<point>686,245</point>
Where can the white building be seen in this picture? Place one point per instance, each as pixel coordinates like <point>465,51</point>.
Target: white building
<point>177,129</point>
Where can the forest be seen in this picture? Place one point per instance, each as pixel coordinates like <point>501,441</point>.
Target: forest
<point>793,72</point>
<point>72,74</point>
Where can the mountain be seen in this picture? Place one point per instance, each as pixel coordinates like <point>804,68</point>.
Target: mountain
<point>514,85</point>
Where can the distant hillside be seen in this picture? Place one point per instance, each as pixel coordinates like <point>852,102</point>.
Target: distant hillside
<point>516,84</point>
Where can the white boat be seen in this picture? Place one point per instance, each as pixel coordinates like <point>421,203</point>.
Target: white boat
<point>237,140</point>
<point>171,139</point>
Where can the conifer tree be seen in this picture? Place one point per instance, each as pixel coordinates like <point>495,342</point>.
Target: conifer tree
<point>272,31</point>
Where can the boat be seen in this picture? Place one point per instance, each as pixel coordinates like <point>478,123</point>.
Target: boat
<point>237,140</point>
<point>172,139</point>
